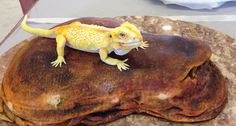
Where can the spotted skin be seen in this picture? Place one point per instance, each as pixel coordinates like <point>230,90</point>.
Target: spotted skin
<point>82,38</point>
<point>93,38</point>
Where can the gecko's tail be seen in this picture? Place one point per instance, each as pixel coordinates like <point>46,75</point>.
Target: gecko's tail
<point>36,31</point>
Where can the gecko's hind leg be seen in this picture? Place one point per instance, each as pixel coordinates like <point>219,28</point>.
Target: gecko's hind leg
<point>61,41</point>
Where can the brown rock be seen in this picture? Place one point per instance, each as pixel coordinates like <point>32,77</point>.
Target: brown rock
<point>172,79</point>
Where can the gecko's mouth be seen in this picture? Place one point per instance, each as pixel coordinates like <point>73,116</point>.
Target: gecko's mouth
<point>132,44</point>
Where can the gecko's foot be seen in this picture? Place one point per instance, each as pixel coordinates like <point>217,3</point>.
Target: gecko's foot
<point>58,61</point>
<point>144,45</point>
<point>122,65</point>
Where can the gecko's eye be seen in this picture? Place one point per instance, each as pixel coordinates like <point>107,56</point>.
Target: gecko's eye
<point>122,35</point>
<point>110,36</point>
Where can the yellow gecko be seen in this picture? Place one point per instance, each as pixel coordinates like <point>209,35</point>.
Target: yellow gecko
<point>93,38</point>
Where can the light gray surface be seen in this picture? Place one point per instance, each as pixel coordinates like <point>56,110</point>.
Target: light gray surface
<point>198,4</point>
<point>101,8</point>
<point>111,8</point>
<point>7,22</point>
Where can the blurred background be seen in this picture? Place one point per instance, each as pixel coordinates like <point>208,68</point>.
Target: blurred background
<point>11,12</point>
<point>216,14</point>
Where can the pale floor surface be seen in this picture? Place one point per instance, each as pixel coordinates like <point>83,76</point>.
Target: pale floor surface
<point>10,14</point>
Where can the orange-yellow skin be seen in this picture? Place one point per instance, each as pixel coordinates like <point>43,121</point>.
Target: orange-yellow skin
<point>93,38</point>
<point>83,37</point>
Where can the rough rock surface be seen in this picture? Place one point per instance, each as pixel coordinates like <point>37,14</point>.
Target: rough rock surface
<point>223,49</point>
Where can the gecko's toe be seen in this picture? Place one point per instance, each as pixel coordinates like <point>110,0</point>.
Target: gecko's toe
<point>119,68</point>
<point>64,61</point>
<point>144,45</point>
<point>126,65</point>
<point>122,65</point>
<point>58,62</point>
<point>53,63</point>
<point>125,60</point>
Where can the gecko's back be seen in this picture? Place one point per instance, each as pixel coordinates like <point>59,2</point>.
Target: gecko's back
<point>84,37</point>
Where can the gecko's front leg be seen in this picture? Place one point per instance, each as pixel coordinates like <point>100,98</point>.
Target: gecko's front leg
<point>121,65</point>
<point>61,41</point>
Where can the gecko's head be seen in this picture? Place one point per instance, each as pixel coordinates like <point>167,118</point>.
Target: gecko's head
<point>127,35</point>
